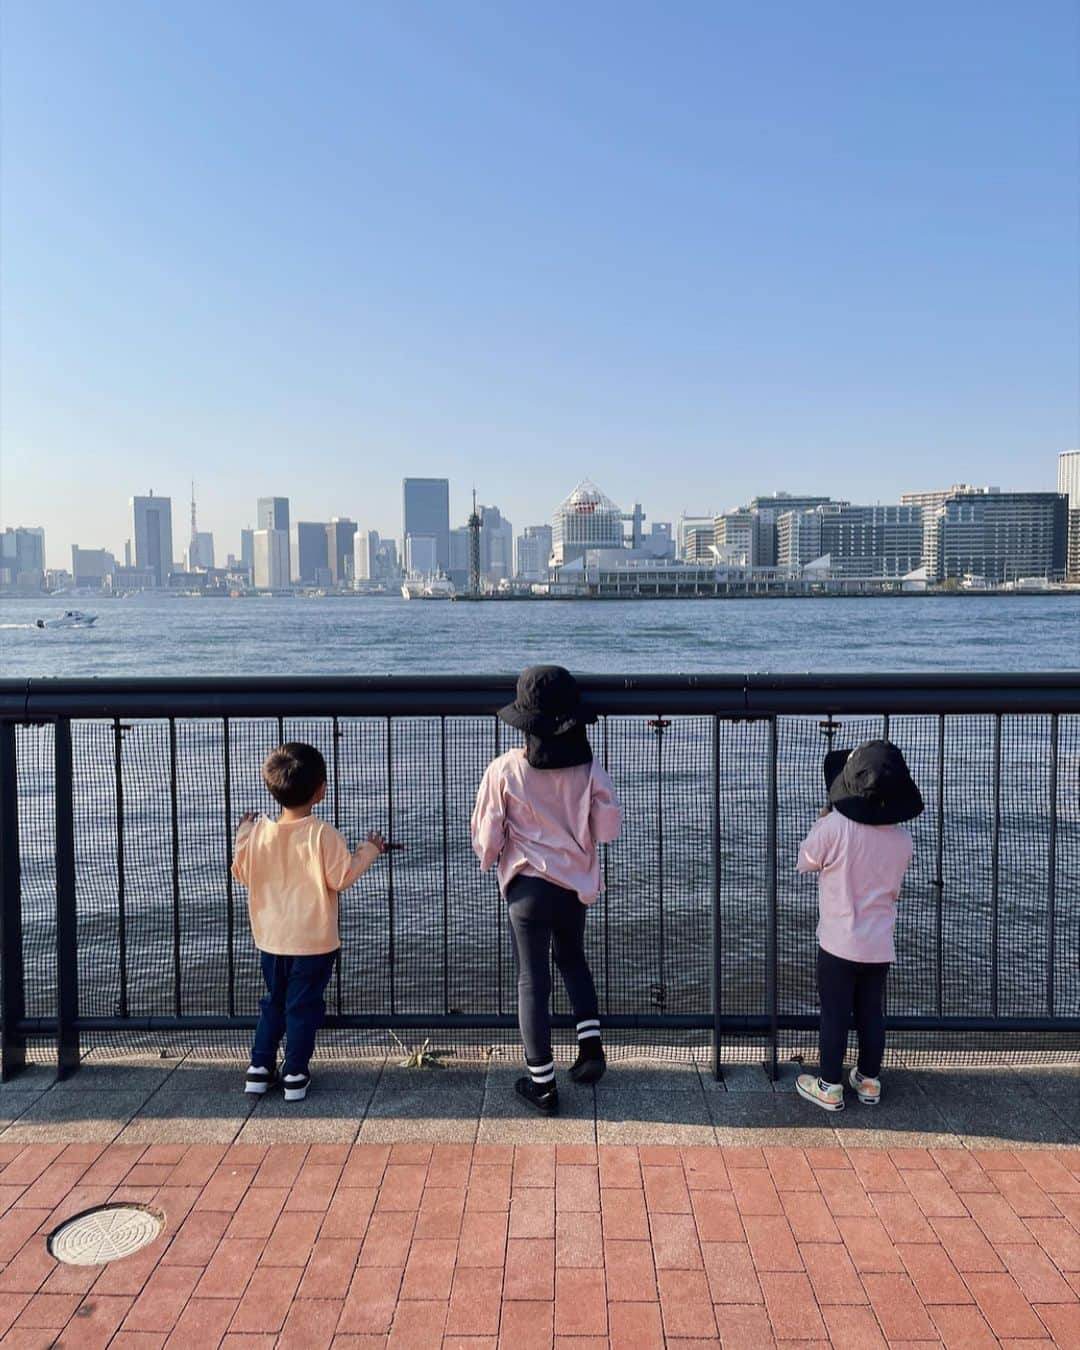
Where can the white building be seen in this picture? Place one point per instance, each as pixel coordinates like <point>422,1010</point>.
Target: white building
<point>151,528</point>
<point>365,556</point>
<point>1068,477</point>
<point>533,553</point>
<point>271,548</point>
<point>735,538</point>
<point>585,520</point>
<point>690,543</point>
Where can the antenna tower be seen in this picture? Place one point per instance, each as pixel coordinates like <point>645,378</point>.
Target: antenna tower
<point>474,548</point>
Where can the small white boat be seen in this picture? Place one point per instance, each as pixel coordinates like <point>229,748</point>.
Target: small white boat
<point>71,618</point>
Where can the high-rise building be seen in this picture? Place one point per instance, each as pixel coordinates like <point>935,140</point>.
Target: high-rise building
<point>272,513</point>
<point>422,555</point>
<point>690,541</point>
<point>767,510</point>
<point>247,547</point>
<point>872,541</point>
<point>533,553</point>
<point>735,538</point>
<point>798,539</point>
<point>426,514</point>
<point>22,556</point>
<point>460,562</point>
<point>585,520</point>
<point>366,567</point>
<point>151,528</point>
<point>1068,482</point>
<point>91,567</point>
<point>1002,536</point>
<point>340,534</point>
<point>270,560</point>
<point>496,546</point>
<point>201,551</point>
<point>308,553</point>
<point>930,504</point>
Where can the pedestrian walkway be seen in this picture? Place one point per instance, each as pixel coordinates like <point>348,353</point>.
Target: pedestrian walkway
<point>561,1246</point>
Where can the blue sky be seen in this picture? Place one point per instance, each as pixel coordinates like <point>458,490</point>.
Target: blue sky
<point>695,251</point>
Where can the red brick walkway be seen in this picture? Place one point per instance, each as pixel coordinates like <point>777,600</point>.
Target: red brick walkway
<point>541,1246</point>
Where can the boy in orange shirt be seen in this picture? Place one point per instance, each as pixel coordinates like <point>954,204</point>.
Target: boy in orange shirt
<point>294,868</point>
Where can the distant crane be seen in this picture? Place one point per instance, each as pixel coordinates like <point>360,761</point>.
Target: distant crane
<point>474,548</point>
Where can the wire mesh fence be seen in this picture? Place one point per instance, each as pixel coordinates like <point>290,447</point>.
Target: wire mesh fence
<point>703,925</point>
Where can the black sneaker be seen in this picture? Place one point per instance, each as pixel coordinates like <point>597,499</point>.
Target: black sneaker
<point>296,1086</point>
<point>544,1096</point>
<point>588,1068</point>
<point>259,1079</point>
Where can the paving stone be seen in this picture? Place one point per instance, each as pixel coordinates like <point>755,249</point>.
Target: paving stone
<point>651,1077</point>
<point>98,1076</point>
<point>13,1105</point>
<point>74,1117</point>
<point>739,1078</point>
<point>756,1118</point>
<point>195,1117</point>
<point>628,1116</point>
<point>321,1118</point>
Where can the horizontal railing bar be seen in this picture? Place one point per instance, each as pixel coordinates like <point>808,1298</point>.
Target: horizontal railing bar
<point>463,695</point>
<point>752,1024</point>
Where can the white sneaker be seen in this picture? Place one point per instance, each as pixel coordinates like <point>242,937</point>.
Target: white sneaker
<point>296,1086</point>
<point>257,1080</point>
<point>829,1096</point>
<point>868,1090</point>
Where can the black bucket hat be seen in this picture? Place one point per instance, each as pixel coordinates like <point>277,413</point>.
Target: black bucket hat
<point>872,785</point>
<point>548,703</point>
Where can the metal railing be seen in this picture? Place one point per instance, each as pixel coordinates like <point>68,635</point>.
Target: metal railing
<point>119,799</point>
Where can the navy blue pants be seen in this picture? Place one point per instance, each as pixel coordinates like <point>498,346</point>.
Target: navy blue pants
<point>546,918</point>
<point>292,1009</point>
<point>850,991</point>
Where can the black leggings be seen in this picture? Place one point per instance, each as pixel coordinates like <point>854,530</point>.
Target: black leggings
<point>543,916</point>
<point>847,990</point>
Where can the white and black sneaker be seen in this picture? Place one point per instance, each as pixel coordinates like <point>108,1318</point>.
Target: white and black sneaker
<point>259,1079</point>
<point>296,1086</point>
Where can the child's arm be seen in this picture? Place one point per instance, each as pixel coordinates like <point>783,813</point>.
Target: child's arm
<point>488,824</point>
<point>240,852</point>
<point>343,868</point>
<point>605,813</point>
<point>815,851</point>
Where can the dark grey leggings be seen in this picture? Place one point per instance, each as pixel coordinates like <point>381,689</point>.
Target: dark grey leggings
<point>546,917</point>
<point>850,991</point>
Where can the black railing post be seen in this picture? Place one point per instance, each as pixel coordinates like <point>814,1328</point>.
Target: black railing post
<point>445,867</point>
<point>230,895</point>
<point>939,872</point>
<point>773,973</point>
<point>12,989</point>
<point>121,873</point>
<point>1051,868</point>
<point>174,810</point>
<point>390,861</point>
<point>67,953</point>
<point>717,947</point>
<point>995,870</point>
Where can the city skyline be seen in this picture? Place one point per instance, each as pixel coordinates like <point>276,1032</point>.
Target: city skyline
<point>512,246</point>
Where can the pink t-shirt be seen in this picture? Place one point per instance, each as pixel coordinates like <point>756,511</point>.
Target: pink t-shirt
<point>860,868</point>
<point>545,822</point>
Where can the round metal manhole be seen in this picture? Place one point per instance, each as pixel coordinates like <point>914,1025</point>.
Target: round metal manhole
<point>107,1233</point>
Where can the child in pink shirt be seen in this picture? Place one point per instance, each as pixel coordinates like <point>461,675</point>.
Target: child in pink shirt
<point>860,852</point>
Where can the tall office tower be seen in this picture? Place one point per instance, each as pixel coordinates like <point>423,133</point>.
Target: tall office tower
<point>735,538</point>
<point>585,520</point>
<point>1068,482</point>
<point>247,547</point>
<point>422,555</point>
<point>872,541</point>
<point>91,567</point>
<point>270,560</point>
<point>340,534</point>
<point>533,553</point>
<point>151,528</point>
<point>426,514</point>
<point>308,553</point>
<point>22,556</point>
<point>1002,536</point>
<point>767,509</point>
<point>687,535</point>
<point>460,542</point>
<point>366,557</point>
<point>272,513</point>
<point>496,546</point>
<point>931,503</point>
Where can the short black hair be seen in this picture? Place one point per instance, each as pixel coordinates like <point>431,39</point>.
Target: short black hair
<point>293,773</point>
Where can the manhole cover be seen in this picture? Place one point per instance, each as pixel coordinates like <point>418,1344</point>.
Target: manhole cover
<point>98,1236</point>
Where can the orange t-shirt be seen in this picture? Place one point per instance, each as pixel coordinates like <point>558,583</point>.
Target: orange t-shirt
<point>293,870</point>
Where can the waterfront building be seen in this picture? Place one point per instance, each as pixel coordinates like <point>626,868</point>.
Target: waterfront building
<point>247,547</point>
<point>308,553</point>
<point>735,538</point>
<point>1002,536</point>
<point>22,557</point>
<point>698,544</point>
<point>659,542</point>
<point>496,546</point>
<point>270,563</point>
<point>798,539</point>
<point>458,571</point>
<point>426,513</point>
<point>272,513</point>
<point>688,534</point>
<point>365,557</point>
<point>587,519</point>
<point>1068,482</point>
<point>1072,560</point>
<point>151,528</point>
<point>767,510</point>
<point>340,536</point>
<point>91,568</point>
<point>200,556</point>
<point>871,541</point>
<point>533,553</point>
<point>930,504</point>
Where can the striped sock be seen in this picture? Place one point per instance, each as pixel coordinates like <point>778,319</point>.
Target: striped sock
<point>589,1028</point>
<point>542,1074</point>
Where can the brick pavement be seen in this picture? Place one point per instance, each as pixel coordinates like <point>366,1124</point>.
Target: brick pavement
<point>567,1246</point>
